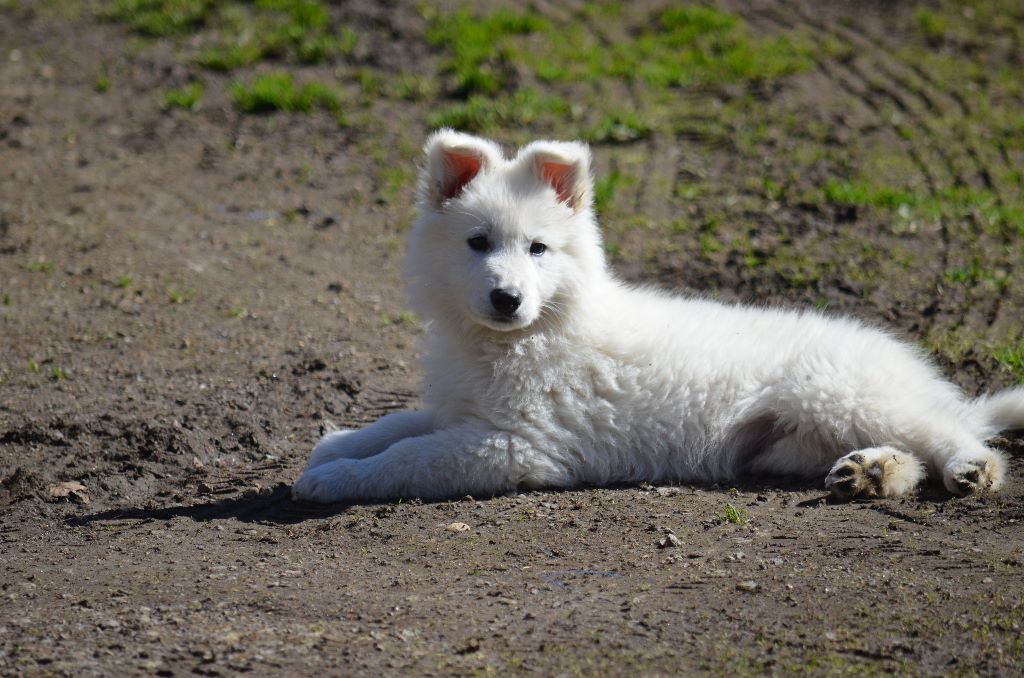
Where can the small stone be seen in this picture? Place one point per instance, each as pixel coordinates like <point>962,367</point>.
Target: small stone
<point>670,540</point>
<point>458,527</point>
<point>749,586</point>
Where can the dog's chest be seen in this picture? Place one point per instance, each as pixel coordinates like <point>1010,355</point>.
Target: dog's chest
<point>552,385</point>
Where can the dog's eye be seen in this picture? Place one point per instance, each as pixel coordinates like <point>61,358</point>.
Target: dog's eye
<point>478,243</point>
<point>538,248</point>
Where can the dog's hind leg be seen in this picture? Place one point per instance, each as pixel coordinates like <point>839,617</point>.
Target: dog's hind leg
<point>874,472</point>
<point>373,439</point>
<point>965,464</point>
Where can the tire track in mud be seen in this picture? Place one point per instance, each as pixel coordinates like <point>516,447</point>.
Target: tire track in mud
<point>854,80</point>
<point>876,73</point>
<point>902,79</point>
<point>915,79</point>
<point>649,198</point>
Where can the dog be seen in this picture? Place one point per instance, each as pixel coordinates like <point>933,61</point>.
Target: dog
<point>544,371</point>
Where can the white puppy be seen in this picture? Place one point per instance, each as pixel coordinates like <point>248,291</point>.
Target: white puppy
<point>543,370</point>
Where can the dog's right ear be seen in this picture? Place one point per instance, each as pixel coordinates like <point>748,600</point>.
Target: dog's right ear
<point>453,159</point>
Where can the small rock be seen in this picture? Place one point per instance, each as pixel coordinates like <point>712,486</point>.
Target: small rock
<point>458,527</point>
<point>670,540</point>
<point>750,586</point>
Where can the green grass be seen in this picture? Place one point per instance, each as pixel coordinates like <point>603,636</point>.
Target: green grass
<point>480,50</point>
<point>299,30</point>
<point>734,515</point>
<point>177,295</point>
<point>160,18</point>
<point>102,84</point>
<point>39,266</point>
<point>482,114</point>
<point>930,23</point>
<point>1011,358</point>
<point>604,190</point>
<point>956,204</point>
<point>619,126</point>
<point>976,271</point>
<point>864,195</point>
<point>692,45</point>
<point>187,98</point>
<point>241,33</point>
<point>277,91</point>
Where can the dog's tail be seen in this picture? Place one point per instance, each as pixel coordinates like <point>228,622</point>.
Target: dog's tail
<point>1003,411</point>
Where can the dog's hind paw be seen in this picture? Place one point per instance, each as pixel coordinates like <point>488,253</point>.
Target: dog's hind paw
<point>973,476</point>
<point>874,472</point>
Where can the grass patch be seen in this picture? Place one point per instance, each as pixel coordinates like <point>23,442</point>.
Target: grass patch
<point>244,33</point>
<point>862,194</point>
<point>187,98</point>
<point>278,91</point>
<point>678,47</point>
<point>951,205</point>
<point>604,190</point>
<point>481,114</point>
<point>38,266</point>
<point>975,271</point>
<point>1011,358</point>
<point>481,52</point>
<point>102,84</point>
<point>159,18</point>
<point>275,29</point>
<point>734,515</point>
<point>176,295</point>
<point>618,127</point>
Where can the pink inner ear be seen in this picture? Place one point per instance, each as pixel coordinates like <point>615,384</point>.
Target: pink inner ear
<point>461,170</point>
<point>561,177</point>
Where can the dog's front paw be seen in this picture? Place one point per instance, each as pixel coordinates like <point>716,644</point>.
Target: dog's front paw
<point>332,446</point>
<point>974,476</point>
<point>324,484</point>
<point>874,472</point>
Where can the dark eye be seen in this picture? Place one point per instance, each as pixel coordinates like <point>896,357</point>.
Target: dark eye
<point>538,248</point>
<point>478,243</point>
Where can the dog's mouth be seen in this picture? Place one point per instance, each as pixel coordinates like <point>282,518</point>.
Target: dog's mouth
<point>506,318</point>
<point>503,322</point>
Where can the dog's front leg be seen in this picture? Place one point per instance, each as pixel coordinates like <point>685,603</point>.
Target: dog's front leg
<point>452,462</point>
<point>373,439</point>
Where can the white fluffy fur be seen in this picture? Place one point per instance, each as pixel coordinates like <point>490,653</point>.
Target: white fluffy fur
<point>591,381</point>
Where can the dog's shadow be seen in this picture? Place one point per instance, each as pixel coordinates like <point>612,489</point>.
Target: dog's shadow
<point>274,506</point>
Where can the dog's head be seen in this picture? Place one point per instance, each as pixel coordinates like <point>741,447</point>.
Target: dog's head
<point>502,244</point>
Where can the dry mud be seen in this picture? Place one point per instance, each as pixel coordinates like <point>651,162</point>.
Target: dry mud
<point>191,297</point>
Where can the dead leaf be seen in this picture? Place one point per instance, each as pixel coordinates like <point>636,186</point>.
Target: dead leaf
<point>69,489</point>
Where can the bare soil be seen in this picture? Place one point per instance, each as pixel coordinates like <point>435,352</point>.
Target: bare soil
<point>190,298</point>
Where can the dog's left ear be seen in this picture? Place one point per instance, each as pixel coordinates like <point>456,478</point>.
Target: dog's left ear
<point>565,167</point>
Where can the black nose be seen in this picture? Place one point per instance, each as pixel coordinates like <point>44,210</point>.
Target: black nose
<point>506,302</point>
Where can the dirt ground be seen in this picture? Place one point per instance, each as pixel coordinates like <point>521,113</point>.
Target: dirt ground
<point>191,297</point>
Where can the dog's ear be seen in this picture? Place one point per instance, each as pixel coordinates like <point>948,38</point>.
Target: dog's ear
<point>565,167</point>
<point>453,159</point>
